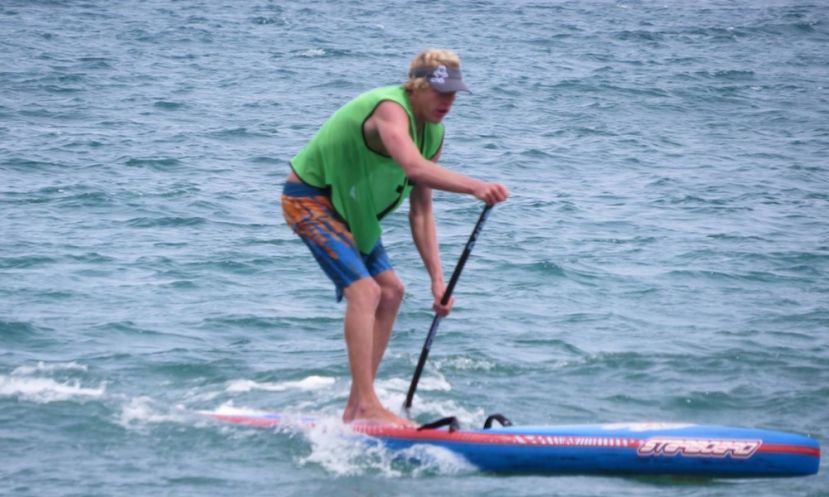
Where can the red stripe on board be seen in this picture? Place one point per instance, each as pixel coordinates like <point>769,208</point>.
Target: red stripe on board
<point>790,449</point>
<point>530,440</point>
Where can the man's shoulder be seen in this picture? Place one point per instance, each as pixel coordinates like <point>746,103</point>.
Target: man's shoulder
<point>389,104</point>
<point>392,109</point>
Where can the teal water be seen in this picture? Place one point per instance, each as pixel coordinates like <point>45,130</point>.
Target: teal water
<point>664,255</point>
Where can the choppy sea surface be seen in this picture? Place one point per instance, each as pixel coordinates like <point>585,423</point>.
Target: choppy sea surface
<point>664,255</point>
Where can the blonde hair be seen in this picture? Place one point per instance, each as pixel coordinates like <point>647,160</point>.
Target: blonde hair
<point>431,57</point>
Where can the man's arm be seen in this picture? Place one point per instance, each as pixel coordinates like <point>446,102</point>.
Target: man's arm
<point>392,124</point>
<point>424,233</point>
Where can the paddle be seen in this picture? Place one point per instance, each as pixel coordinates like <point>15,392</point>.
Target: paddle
<point>445,300</point>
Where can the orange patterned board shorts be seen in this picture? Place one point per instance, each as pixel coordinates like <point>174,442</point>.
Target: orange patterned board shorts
<point>308,211</point>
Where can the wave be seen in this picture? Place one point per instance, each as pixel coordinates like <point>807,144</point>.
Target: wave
<point>25,384</point>
<point>306,384</point>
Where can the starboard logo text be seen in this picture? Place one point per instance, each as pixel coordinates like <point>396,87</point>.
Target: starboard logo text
<point>695,447</point>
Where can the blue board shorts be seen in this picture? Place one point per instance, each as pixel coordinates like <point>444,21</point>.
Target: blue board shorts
<point>309,212</point>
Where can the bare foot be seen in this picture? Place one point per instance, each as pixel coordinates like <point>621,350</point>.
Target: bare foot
<point>348,413</point>
<point>379,415</point>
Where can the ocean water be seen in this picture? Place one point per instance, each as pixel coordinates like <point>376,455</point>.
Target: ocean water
<point>664,254</point>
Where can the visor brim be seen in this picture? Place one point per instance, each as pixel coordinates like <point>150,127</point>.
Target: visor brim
<point>450,86</point>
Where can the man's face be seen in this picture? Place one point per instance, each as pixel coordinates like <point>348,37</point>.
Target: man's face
<point>434,105</point>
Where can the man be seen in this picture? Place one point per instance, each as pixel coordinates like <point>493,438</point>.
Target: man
<point>365,160</point>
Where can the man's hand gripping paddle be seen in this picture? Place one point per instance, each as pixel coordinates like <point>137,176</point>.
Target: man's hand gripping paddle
<point>444,301</point>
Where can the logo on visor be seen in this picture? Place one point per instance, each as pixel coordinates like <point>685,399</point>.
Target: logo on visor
<point>439,75</point>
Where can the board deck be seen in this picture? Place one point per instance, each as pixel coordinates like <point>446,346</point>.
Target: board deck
<point>622,448</point>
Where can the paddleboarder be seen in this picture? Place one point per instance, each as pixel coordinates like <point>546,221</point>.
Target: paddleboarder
<point>366,159</point>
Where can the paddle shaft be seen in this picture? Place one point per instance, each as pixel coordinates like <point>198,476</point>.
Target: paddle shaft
<point>427,345</point>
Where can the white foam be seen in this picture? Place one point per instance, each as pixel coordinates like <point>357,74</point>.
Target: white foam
<point>141,411</point>
<point>306,384</point>
<point>392,393</point>
<point>228,409</point>
<point>313,52</point>
<point>436,409</point>
<point>429,383</point>
<point>42,367</point>
<point>342,452</point>
<point>337,449</point>
<point>45,390</point>
<point>463,364</point>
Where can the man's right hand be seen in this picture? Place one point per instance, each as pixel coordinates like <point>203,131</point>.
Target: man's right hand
<point>491,193</point>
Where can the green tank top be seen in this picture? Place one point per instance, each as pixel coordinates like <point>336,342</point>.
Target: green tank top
<point>364,185</point>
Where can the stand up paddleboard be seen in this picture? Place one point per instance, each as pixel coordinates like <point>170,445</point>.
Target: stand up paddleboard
<point>621,449</point>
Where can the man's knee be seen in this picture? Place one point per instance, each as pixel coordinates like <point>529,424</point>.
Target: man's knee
<point>365,293</point>
<point>392,292</point>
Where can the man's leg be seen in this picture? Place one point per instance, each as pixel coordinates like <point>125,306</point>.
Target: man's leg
<point>372,300</point>
<point>391,296</point>
<point>365,349</point>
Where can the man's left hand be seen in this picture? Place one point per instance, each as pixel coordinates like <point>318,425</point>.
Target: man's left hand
<point>438,289</point>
